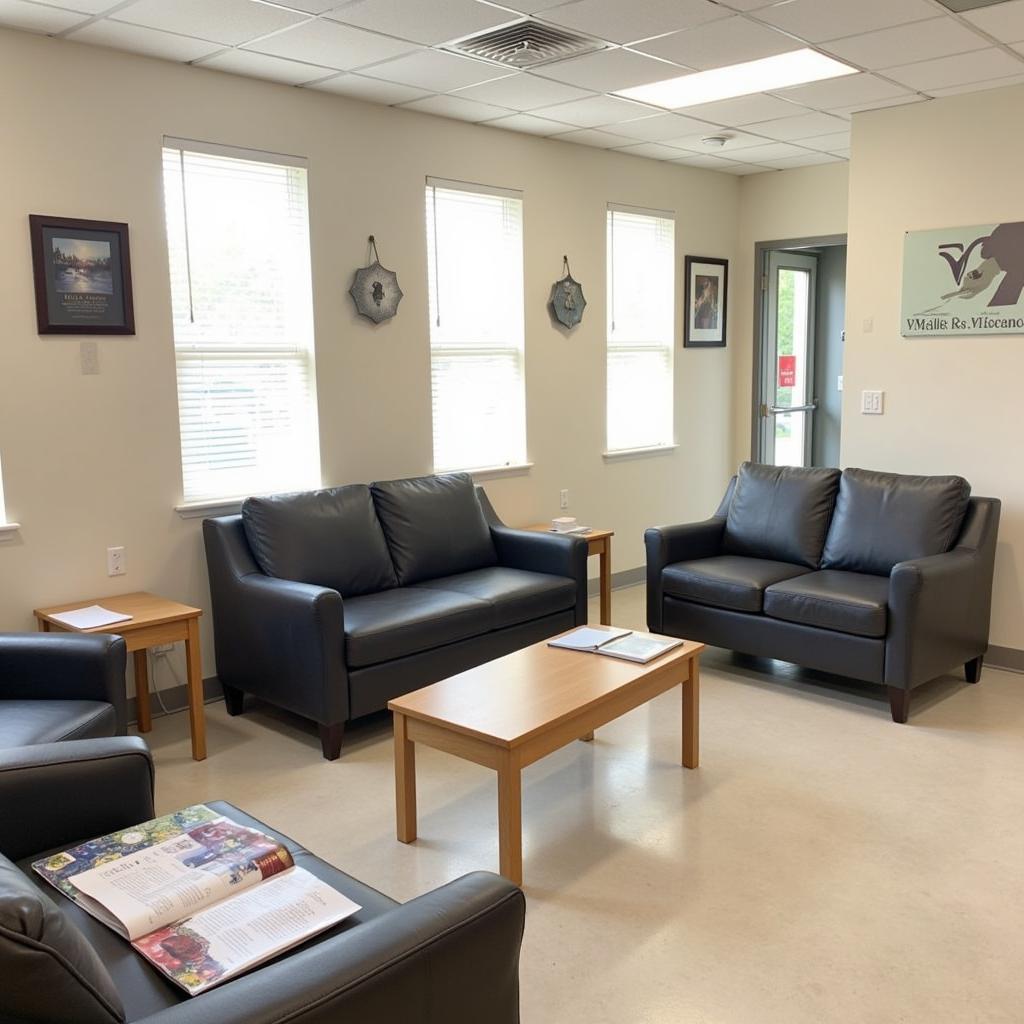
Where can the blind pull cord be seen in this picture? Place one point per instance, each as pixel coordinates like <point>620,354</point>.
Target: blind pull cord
<point>188,251</point>
<point>611,272</point>
<point>437,268</point>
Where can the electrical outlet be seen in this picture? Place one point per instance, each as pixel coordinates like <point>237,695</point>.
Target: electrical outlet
<point>161,649</point>
<point>869,324</point>
<point>563,499</point>
<point>115,562</point>
<point>872,402</point>
<point>89,353</point>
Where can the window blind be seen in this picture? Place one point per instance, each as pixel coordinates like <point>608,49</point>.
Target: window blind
<point>475,264</point>
<point>641,318</point>
<point>241,291</point>
<point>3,507</point>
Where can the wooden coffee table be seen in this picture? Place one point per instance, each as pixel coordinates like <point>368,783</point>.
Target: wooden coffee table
<point>510,712</point>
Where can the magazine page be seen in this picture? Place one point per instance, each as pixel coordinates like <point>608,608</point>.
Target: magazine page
<point>148,876</point>
<point>245,930</point>
<point>588,638</point>
<point>639,647</point>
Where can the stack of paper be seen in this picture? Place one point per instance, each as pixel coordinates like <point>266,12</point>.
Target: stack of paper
<point>92,617</point>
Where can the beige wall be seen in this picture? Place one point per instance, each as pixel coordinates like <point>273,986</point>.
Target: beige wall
<point>92,461</point>
<point>807,202</point>
<point>952,405</point>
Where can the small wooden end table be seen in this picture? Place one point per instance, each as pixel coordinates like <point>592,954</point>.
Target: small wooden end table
<point>154,620</point>
<point>510,712</point>
<point>599,542</point>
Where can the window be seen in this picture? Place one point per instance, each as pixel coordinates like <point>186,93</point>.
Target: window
<point>3,507</point>
<point>241,290</point>
<point>475,260</point>
<point>641,320</point>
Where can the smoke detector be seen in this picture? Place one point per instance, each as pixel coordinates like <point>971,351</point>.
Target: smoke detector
<point>525,44</point>
<point>715,141</point>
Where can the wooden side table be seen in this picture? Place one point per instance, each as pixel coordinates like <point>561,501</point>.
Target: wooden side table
<point>599,542</point>
<point>154,620</point>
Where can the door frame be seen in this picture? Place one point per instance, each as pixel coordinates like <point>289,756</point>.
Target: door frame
<point>760,313</point>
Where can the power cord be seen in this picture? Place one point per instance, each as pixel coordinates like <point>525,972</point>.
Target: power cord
<point>153,658</point>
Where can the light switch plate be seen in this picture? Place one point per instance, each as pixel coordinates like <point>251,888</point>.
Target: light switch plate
<point>872,403</point>
<point>89,353</point>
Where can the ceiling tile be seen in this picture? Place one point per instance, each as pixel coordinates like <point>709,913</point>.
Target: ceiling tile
<point>663,126</point>
<point>805,160</point>
<point>453,106</point>
<point>1004,21</point>
<point>594,111</point>
<point>526,6</point>
<point>592,137</point>
<point>332,45</point>
<point>85,6</point>
<point>833,143</point>
<point>998,83</point>
<point>528,123</point>
<point>773,151</point>
<point>523,92</point>
<point>701,160</point>
<point>435,71</point>
<point>228,21</point>
<point>651,150</point>
<point>923,40</point>
<point>893,101</point>
<point>730,41</point>
<point>745,110</point>
<point>259,65</point>
<point>312,6</point>
<point>743,169</point>
<point>746,5</point>
<point>818,20</point>
<point>34,18</point>
<point>962,69</point>
<point>621,22</point>
<point>149,41</point>
<point>423,22</point>
<point>371,89</point>
<point>610,70</point>
<point>842,92</point>
<point>802,127</point>
<point>736,141</point>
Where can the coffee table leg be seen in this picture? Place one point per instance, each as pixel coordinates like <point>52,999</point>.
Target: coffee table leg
<point>405,780</point>
<point>691,715</point>
<point>510,818</point>
<point>142,714</point>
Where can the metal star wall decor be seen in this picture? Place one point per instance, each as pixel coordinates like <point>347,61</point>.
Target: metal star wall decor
<point>375,290</point>
<point>567,301</point>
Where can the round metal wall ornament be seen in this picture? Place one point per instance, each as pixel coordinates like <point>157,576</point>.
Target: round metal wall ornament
<point>567,301</point>
<point>375,290</point>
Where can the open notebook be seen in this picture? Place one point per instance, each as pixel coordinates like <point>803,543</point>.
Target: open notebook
<point>617,643</point>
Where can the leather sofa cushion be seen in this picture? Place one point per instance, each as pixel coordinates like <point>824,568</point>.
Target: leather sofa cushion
<point>144,990</point>
<point>885,518</point>
<point>26,722</point>
<point>50,971</point>
<point>726,581</point>
<point>515,594</point>
<point>847,602</point>
<point>781,513</point>
<point>395,623</point>
<point>330,538</point>
<point>434,526</point>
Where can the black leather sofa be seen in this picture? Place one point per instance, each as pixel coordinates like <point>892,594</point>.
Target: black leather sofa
<point>61,687</point>
<point>449,957</point>
<point>875,576</point>
<point>329,603</point>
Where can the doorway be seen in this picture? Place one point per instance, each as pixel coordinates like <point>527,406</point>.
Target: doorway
<point>801,306</point>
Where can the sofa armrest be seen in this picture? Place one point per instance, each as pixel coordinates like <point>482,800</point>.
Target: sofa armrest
<point>65,666</point>
<point>449,957</point>
<point>278,639</point>
<point>55,794</point>
<point>668,544</point>
<point>551,553</point>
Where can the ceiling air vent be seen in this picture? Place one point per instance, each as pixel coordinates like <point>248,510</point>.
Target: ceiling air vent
<point>525,44</point>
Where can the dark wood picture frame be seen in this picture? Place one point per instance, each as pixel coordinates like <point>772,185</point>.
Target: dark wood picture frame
<point>704,337</point>
<point>96,319</point>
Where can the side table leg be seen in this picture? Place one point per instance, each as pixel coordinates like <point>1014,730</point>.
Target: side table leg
<point>143,718</point>
<point>510,818</point>
<point>605,568</point>
<point>196,713</point>
<point>405,780</point>
<point>691,715</point>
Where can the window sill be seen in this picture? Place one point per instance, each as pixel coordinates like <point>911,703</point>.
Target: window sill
<point>214,507</point>
<point>8,530</point>
<point>639,453</point>
<point>493,472</point>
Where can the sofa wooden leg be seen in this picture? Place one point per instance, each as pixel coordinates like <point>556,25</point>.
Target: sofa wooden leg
<point>330,740</point>
<point>899,703</point>
<point>972,670</point>
<point>234,699</point>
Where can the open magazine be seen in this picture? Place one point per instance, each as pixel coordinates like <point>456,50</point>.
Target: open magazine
<point>200,896</point>
<point>617,643</point>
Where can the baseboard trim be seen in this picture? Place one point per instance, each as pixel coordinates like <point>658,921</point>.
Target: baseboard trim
<point>626,578</point>
<point>1009,659</point>
<point>176,699</point>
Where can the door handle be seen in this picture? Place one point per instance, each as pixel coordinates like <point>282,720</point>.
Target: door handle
<point>776,410</point>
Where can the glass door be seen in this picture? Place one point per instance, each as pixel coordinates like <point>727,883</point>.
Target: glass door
<point>786,403</point>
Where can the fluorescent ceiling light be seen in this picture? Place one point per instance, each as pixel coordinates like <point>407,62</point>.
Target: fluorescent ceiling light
<point>795,68</point>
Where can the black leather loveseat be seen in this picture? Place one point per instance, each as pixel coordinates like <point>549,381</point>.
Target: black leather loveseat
<point>450,956</point>
<point>329,603</point>
<point>876,576</point>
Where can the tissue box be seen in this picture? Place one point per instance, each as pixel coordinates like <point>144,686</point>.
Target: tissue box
<point>563,524</point>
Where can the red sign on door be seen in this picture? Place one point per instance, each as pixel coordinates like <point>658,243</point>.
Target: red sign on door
<point>787,371</point>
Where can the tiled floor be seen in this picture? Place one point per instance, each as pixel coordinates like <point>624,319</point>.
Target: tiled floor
<point>822,865</point>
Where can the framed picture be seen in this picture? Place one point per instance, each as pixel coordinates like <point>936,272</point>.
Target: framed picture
<point>707,298</point>
<point>83,276</point>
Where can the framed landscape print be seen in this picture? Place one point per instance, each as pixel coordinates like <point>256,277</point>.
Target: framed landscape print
<point>707,294</point>
<point>82,275</point>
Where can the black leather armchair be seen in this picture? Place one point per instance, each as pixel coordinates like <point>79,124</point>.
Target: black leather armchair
<point>449,957</point>
<point>61,687</point>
